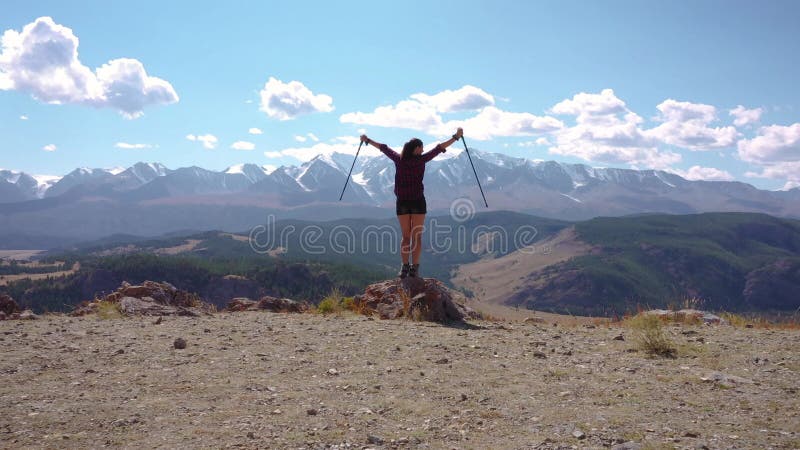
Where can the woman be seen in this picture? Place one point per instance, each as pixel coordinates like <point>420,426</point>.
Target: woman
<point>408,187</point>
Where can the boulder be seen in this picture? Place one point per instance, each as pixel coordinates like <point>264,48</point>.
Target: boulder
<point>150,299</point>
<point>267,303</point>
<point>8,305</point>
<point>688,314</point>
<point>418,298</point>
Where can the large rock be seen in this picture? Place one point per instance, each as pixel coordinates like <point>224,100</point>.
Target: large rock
<point>267,303</point>
<point>688,314</point>
<point>150,299</point>
<point>418,298</point>
<point>7,305</point>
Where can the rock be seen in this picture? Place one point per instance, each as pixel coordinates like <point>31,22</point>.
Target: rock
<point>267,303</point>
<point>374,440</point>
<point>311,412</point>
<point>578,434</point>
<point>619,337</point>
<point>8,306</point>
<point>533,320</point>
<point>419,298</point>
<point>25,315</point>
<point>150,299</point>
<point>684,315</point>
<point>630,445</point>
<point>179,343</point>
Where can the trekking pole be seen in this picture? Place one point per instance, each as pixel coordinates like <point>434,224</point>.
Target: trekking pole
<point>473,170</point>
<point>351,170</point>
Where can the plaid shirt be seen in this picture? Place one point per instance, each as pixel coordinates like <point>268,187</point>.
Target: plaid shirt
<point>408,173</point>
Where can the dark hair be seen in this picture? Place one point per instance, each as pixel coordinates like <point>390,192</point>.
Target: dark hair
<point>408,149</point>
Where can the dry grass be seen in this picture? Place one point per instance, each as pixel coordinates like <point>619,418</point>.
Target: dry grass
<point>649,335</point>
<point>108,310</point>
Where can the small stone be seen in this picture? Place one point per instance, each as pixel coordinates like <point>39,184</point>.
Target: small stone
<point>333,372</point>
<point>619,338</point>
<point>251,435</point>
<point>179,343</point>
<point>463,397</point>
<point>158,321</point>
<point>311,412</point>
<point>539,355</point>
<point>374,440</point>
<point>578,434</point>
<point>442,361</point>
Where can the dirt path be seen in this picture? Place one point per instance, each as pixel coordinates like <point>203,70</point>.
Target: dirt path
<point>263,380</point>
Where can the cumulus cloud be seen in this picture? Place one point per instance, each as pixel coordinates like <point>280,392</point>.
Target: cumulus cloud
<point>209,140</point>
<point>272,154</point>
<point>243,145</point>
<point>125,145</point>
<point>42,60</point>
<point>607,131</point>
<point>791,185</point>
<point>775,143</point>
<point>704,173</point>
<point>343,144</point>
<point>23,117</point>
<point>313,137</point>
<point>468,98</point>
<point>423,112</point>
<point>49,148</point>
<point>743,116</point>
<point>686,125</point>
<point>285,101</point>
<point>299,138</point>
<point>255,131</point>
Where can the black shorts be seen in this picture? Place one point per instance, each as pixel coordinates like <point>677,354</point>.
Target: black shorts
<point>412,206</point>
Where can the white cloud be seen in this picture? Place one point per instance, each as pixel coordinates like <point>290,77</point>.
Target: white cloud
<point>422,113</point>
<point>686,125</point>
<point>343,144</point>
<point>779,171</point>
<point>704,173</point>
<point>743,116</point>
<point>125,145</point>
<point>243,145</point>
<point>491,122</point>
<point>790,185</point>
<point>209,140</point>
<point>607,131</point>
<point>775,143</point>
<point>23,117</point>
<point>591,108</point>
<point>49,148</point>
<point>42,60</point>
<point>468,98</point>
<point>313,137</point>
<point>255,131</point>
<point>285,101</point>
<point>299,138</point>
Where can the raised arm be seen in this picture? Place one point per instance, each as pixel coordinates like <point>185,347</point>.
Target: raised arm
<point>442,147</point>
<point>393,155</point>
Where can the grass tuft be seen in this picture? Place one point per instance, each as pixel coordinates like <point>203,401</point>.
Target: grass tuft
<point>649,335</point>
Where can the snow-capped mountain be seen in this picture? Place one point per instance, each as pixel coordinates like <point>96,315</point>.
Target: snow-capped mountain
<point>20,186</point>
<point>195,197</point>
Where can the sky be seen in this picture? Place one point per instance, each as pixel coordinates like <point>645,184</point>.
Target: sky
<point>705,89</point>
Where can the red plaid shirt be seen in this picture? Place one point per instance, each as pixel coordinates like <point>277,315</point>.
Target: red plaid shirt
<point>409,173</point>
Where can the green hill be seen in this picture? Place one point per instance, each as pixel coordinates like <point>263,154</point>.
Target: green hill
<point>718,261</point>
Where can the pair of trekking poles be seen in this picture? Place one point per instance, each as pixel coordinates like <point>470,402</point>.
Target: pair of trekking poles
<point>468,156</point>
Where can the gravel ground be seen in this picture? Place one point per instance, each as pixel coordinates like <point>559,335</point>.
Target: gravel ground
<point>265,380</point>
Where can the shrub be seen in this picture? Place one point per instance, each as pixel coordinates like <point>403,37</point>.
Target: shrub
<point>649,335</point>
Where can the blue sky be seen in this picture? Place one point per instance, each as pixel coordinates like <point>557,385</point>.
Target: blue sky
<point>614,83</point>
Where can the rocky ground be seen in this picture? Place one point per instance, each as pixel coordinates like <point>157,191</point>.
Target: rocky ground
<point>257,379</point>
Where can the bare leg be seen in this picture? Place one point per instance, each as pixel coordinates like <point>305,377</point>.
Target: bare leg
<point>405,244</point>
<point>417,226</point>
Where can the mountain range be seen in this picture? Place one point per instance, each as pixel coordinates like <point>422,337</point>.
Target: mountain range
<point>151,199</point>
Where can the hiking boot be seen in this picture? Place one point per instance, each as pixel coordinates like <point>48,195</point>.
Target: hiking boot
<point>414,270</point>
<point>404,271</point>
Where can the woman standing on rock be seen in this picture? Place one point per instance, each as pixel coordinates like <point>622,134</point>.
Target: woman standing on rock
<point>411,207</point>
